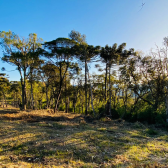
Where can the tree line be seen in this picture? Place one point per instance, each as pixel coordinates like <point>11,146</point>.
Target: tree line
<point>56,75</point>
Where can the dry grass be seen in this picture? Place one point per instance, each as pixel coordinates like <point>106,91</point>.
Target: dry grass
<point>40,139</point>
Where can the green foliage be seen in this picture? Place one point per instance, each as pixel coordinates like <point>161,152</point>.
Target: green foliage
<point>61,108</point>
<point>70,109</point>
<point>101,109</point>
<point>151,132</point>
<point>115,114</point>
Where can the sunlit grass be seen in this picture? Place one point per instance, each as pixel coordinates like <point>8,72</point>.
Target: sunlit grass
<point>30,139</point>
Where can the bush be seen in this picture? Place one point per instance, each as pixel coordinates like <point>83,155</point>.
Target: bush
<point>44,104</point>
<point>147,114</point>
<point>70,109</point>
<point>101,110</point>
<point>115,114</point>
<point>151,132</point>
<point>61,108</point>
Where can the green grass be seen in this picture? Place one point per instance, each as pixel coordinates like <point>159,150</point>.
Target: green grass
<point>27,141</point>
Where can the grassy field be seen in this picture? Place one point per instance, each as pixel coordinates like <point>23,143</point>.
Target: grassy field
<point>39,139</point>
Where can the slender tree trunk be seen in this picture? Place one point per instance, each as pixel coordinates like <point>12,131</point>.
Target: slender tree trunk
<point>81,100</point>
<point>23,93</point>
<point>118,97</point>
<point>3,102</point>
<point>6,102</point>
<point>22,108</point>
<point>86,107</point>
<point>60,87</point>
<point>47,102</point>
<point>57,101</point>
<point>66,109</point>
<point>74,104</point>
<point>32,97</point>
<point>39,104</point>
<point>92,100</point>
<point>91,95</point>
<point>167,108</point>
<point>75,97</point>
<point>88,101</point>
<point>106,83</point>
<point>23,97</point>
<point>125,97</point>
<point>110,92</point>
<point>115,97</point>
<point>24,87</point>
<point>4,97</point>
<point>52,95</point>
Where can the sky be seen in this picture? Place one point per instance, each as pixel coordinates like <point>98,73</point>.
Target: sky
<point>142,24</point>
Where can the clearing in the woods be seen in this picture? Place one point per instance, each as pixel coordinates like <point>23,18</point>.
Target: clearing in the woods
<point>39,139</point>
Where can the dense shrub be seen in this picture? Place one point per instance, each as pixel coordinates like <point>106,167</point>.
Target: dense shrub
<point>144,114</point>
<point>61,108</point>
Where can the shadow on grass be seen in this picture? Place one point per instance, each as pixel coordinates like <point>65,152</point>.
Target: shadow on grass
<point>50,140</point>
<point>8,111</point>
<point>37,118</point>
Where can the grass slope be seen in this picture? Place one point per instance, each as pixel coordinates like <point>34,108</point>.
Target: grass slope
<point>38,139</point>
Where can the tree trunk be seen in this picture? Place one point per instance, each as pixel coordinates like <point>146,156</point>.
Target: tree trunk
<point>23,97</point>
<point>110,92</point>
<point>57,101</point>
<point>22,84</point>
<point>106,84</point>
<point>67,105</point>
<point>92,100</point>
<point>167,108</point>
<point>47,103</point>
<point>88,102</point>
<point>86,107</point>
<point>91,96</point>
<point>60,87</point>
<point>66,109</point>
<point>32,98</point>
<point>125,102</point>
<point>74,105</point>
<point>3,102</point>
<point>24,90</point>
<point>40,103</point>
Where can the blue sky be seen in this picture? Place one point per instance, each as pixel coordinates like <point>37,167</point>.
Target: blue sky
<point>102,21</point>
